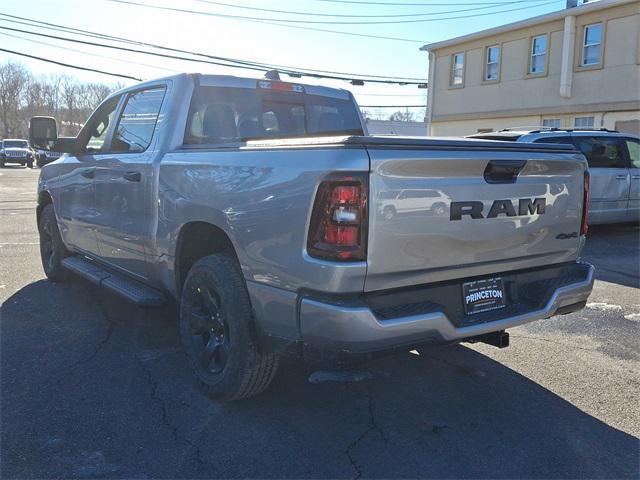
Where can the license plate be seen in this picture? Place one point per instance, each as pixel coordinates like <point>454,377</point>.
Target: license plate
<point>483,295</point>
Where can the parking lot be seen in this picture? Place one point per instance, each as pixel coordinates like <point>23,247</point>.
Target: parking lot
<point>93,387</point>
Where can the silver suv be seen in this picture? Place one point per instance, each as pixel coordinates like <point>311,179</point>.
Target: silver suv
<point>614,165</point>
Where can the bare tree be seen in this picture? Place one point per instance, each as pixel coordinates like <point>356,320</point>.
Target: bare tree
<point>400,116</point>
<point>63,97</point>
<point>13,82</point>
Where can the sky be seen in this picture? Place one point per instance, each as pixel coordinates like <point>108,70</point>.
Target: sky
<point>258,41</point>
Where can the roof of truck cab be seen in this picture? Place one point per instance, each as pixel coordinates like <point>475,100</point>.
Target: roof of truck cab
<point>233,81</point>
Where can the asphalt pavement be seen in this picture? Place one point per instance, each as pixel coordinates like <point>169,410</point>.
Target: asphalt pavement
<point>92,387</point>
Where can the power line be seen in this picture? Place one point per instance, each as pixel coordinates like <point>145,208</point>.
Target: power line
<point>87,69</point>
<point>239,64</point>
<point>65,29</point>
<point>323,22</point>
<point>125,49</point>
<point>87,53</point>
<point>339,32</point>
<point>314,14</point>
<point>422,4</point>
<point>77,67</point>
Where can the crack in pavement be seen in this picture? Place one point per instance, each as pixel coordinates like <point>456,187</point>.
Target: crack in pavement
<point>155,397</point>
<point>111,325</point>
<point>373,426</point>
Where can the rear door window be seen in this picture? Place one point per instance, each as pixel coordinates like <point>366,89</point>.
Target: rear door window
<point>633,146</point>
<point>601,152</point>
<point>221,115</point>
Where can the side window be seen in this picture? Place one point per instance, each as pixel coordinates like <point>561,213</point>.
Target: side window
<point>138,120</point>
<point>538,61</point>
<point>457,69</point>
<point>633,145</point>
<point>591,44</point>
<point>566,140</point>
<point>601,152</point>
<point>551,123</point>
<point>97,127</point>
<point>492,63</point>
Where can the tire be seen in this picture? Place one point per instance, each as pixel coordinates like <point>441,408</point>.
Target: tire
<point>52,250</point>
<point>29,163</point>
<point>217,331</point>
<point>1,163</point>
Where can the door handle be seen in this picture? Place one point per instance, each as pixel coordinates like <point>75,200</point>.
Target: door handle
<point>132,176</point>
<point>89,173</point>
<point>503,171</point>
<point>621,177</point>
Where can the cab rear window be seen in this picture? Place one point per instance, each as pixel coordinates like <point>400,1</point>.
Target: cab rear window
<point>221,115</point>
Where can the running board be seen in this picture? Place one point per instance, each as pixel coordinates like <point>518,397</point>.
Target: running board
<point>131,290</point>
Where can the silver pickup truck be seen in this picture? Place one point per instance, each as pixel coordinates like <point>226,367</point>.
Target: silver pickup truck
<point>256,205</point>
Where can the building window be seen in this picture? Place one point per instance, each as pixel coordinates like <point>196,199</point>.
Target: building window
<point>457,69</point>
<point>583,122</point>
<point>551,123</point>
<point>591,51</point>
<point>538,62</point>
<point>492,67</point>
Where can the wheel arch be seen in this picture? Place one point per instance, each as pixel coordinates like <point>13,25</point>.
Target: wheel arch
<point>44,199</point>
<point>197,239</point>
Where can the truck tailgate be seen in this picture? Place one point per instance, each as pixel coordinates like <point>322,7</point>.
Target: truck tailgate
<point>439,213</point>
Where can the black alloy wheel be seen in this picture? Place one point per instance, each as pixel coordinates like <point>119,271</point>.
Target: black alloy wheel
<point>209,330</point>
<point>219,333</point>
<point>52,249</point>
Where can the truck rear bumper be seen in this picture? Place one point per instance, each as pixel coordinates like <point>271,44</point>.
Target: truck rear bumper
<point>363,329</point>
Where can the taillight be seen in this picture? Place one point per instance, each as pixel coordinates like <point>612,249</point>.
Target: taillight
<point>585,206</point>
<point>338,229</point>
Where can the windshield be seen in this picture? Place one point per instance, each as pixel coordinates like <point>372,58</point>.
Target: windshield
<point>15,144</point>
<point>226,115</point>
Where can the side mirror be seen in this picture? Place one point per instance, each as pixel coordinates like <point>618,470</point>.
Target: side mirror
<point>42,131</point>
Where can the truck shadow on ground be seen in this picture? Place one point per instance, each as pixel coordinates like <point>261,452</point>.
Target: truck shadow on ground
<point>92,387</point>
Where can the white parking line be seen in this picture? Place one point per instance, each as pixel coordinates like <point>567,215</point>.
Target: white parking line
<point>3,244</point>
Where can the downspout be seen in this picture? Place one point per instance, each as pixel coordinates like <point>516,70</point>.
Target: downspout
<point>430,87</point>
<point>568,48</point>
